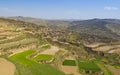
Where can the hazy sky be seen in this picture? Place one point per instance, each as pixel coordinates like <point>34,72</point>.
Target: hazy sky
<point>61,9</point>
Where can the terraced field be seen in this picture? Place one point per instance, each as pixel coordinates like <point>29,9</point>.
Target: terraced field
<point>113,50</point>
<point>11,39</point>
<point>69,63</point>
<point>70,67</point>
<point>105,47</point>
<point>43,57</point>
<point>50,51</point>
<point>27,66</point>
<point>85,67</point>
<point>33,55</point>
<point>15,44</point>
<point>104,68</point>
<point>88,65</point>
<point>70,70</point>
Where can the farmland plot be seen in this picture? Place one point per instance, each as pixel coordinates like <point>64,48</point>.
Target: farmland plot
<point>26,66</point>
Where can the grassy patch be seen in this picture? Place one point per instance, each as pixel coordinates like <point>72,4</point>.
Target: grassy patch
<point>40,42</point>
<point>72,39</point>
<point>113,56</point>
<point>104,68</point>
<point>117,67</point>
<point>21,57</point>
<point>43,57</point>
<point>46,47</point>
<point>69,63</point>
<point>105,60</point>
<point>25,66</point>
<point>88,65</point>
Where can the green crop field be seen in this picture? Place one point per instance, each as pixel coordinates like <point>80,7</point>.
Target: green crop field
<point>88,65</point>
<point>25,66</point>
<point>22,57</point>
<point>69,63</point>
<point>43,57</point>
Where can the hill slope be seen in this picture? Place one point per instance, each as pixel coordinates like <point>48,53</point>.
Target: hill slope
<point>44,22</point>
<point>100,27</point>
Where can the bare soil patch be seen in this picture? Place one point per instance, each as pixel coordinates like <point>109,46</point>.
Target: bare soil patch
<point>51,51</point>
<point>6,67</point>
<point>70,70</point>
<point>93,45</point>
<point>113,70</point>
<point>103,48</point>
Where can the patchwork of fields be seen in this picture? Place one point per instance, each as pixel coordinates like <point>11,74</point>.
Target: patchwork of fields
<point>85,67</point>
<point>27,66</point>
<point>33,56</point>
<point>24,51</point>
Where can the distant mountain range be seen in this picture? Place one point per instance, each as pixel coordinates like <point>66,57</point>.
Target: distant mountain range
<point>99,27</point>
<point>38,21</point>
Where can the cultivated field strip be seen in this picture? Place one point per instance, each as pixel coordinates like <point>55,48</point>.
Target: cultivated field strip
<point>105,47</point>
<point>22,49</point>
<point>15,38</point>
<point>8,33</point>
<point>17,43</point>
<point>2,38</point>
